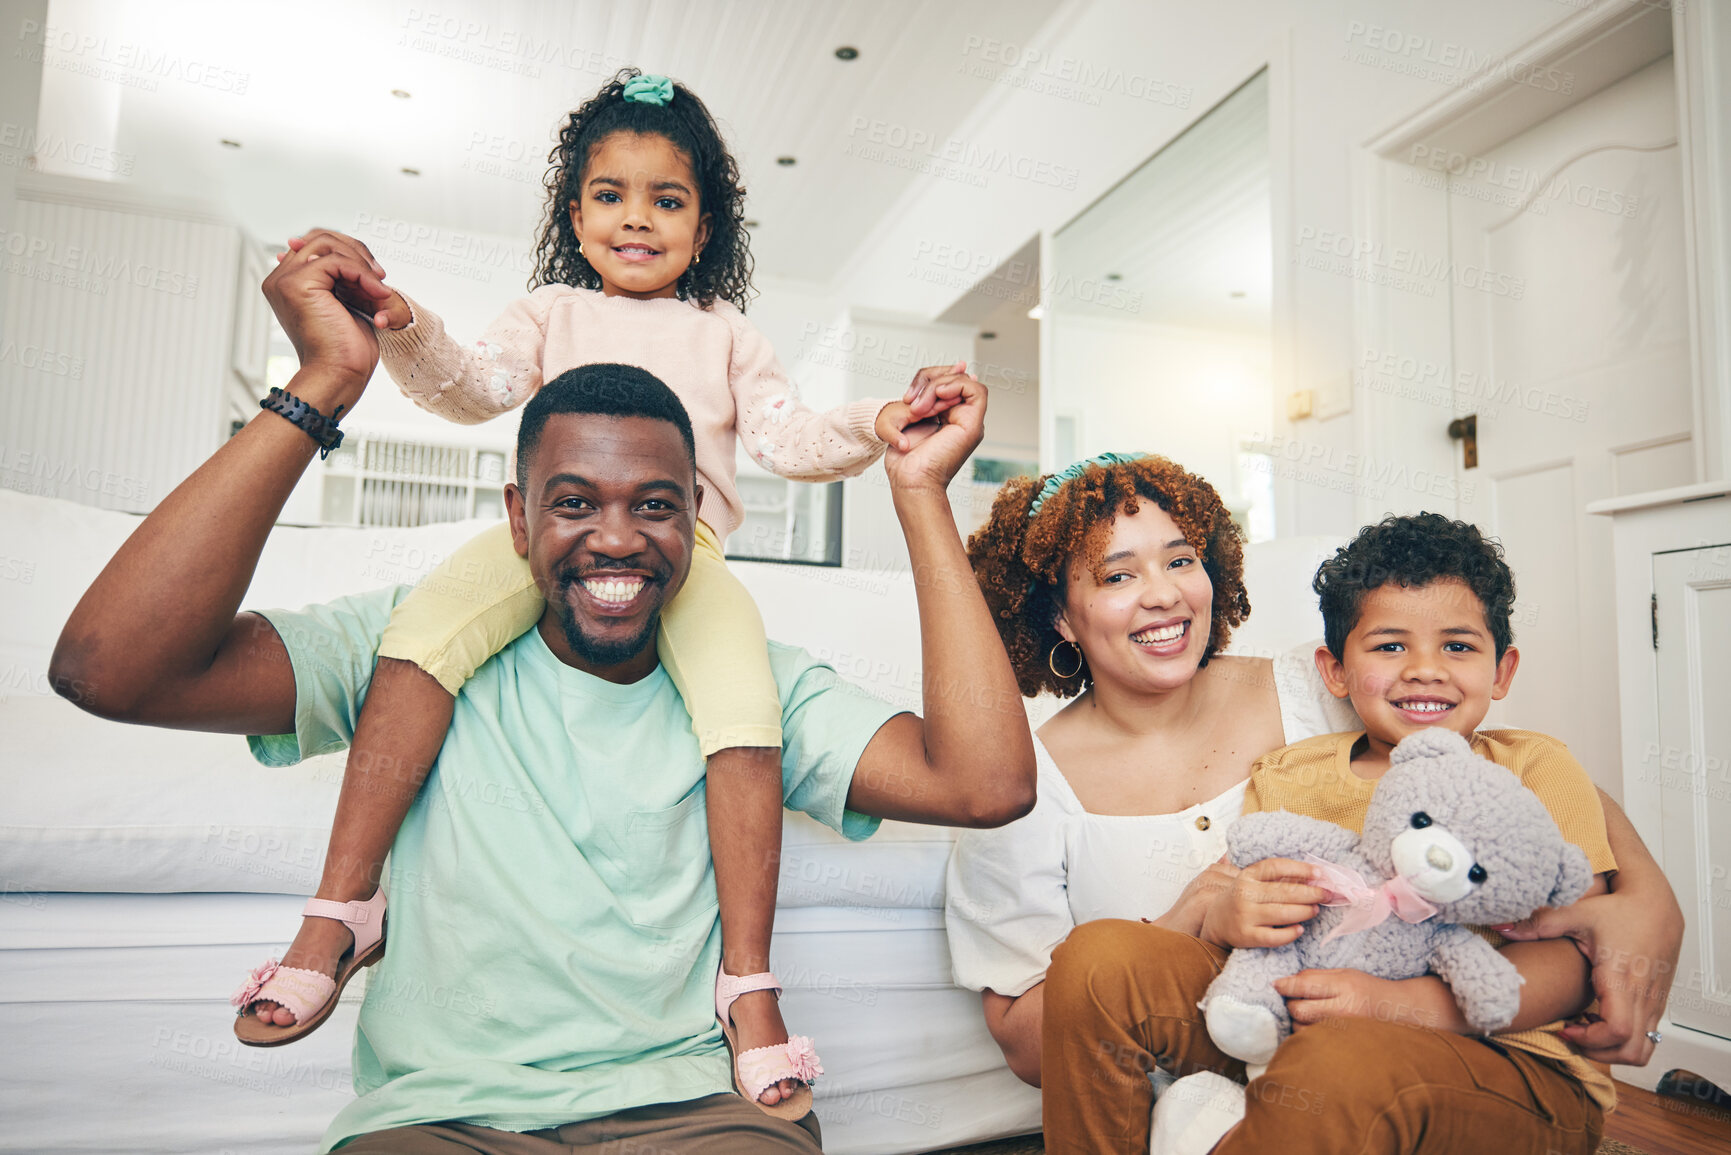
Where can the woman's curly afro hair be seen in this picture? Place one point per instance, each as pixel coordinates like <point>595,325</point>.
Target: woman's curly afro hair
<point>1414,551</point>
<point>1023,563</point>
<point>725,268</point>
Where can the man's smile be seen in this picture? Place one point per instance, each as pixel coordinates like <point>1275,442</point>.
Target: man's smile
<point>609,594</point>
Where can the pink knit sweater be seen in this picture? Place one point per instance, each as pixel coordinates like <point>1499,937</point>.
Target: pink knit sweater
<point>722,369</point>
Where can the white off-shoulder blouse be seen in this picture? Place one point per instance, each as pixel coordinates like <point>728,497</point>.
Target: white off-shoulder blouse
<point>1014,893</point>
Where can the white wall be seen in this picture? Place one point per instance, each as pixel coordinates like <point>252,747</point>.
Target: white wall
<point>1190,395</point>
<point>116,335</point>
<point>1115,80</point>
<point>467,279</point>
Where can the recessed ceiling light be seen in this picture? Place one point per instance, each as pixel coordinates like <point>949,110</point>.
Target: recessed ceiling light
<point>988,335</point>
<point>226,143</point>
<point>400,93</point>
<point>1236,294</point>
<point>787,161</point>
<point>1036,313</point>
<point>1114,276</point>
<point>847,52</point>
<point>407,171</point>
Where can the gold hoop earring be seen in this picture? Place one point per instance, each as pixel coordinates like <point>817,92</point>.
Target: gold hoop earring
<point>1052,661</point>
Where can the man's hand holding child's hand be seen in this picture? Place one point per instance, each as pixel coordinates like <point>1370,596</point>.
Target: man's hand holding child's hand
<point>933,390</point>
<point>391,312</point>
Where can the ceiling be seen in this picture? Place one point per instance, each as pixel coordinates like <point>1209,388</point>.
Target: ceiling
<point>305,90</point>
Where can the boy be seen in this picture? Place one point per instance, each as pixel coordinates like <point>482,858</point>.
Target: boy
<point>1416,622</point>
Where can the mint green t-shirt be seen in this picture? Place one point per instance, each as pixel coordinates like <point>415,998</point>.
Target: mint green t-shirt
<point>553,929</point>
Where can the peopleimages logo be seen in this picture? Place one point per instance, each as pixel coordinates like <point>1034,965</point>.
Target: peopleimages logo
<point>1416,379</point>
<point>1446,61</point>
<point>1067,77</point>
<point>1397,266</point>
<point>878,139</point>
<point>122,62</point>
<point>41,256</point>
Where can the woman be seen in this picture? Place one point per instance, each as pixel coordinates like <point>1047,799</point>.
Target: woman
<point>1116,582</point>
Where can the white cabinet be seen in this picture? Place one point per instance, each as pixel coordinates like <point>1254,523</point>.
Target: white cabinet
<point>1692,770</point>
<point>1673,595</point>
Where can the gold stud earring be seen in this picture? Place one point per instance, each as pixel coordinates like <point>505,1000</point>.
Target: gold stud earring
<point>1052,661</point>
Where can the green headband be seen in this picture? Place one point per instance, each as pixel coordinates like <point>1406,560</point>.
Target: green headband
<point>1070,473</point>
<point>649,89</point>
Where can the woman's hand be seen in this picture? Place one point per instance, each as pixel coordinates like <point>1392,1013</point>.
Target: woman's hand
<point>1631,938</point>
<point>1190,908</point>
<point>1266,904</point>
<point>1632,943</point>
<point>1314,995</point>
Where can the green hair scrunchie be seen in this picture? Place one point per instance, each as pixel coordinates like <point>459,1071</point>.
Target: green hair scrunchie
<point>1071,472</point>
<point>649,89</point>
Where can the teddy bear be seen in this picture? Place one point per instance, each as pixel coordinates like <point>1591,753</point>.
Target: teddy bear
<point>1450,838</point>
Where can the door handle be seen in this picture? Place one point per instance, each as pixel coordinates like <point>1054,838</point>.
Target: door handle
<point>1466,430</point>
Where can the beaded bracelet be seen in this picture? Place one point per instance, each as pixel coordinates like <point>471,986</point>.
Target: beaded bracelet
<point>298,413</point>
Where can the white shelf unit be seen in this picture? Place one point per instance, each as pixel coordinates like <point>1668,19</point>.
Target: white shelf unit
<point>787,520</point>
<point>396,480</point>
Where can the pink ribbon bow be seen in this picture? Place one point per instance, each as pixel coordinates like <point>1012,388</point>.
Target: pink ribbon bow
<point>1369,905</point>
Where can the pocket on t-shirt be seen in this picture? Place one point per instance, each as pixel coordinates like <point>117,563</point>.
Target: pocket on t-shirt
<point>663,865</point>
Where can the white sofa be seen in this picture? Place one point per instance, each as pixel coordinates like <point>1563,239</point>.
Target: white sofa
<point>143,872</point>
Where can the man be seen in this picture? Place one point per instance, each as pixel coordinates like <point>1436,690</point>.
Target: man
<point>548,981</point>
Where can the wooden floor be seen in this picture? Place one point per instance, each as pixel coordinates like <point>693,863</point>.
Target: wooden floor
<point>1669,1125</point>
<point>1649,1123</point>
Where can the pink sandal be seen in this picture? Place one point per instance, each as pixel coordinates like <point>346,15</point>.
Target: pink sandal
<point>758,1069</point>
<point>309,995</point>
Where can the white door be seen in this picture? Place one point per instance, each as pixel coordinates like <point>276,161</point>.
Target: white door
<point>1692,769</point>
<point>1569,332</point>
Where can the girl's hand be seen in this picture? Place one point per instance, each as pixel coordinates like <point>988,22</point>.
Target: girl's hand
<point>1314,995</point>
<point>1266,905</point>
<point>1632,944</point>
<point>897,416</point>
<point>391,312</point>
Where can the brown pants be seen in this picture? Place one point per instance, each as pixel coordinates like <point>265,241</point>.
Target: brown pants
<point>1121,998</point>
<point>724,1124</point>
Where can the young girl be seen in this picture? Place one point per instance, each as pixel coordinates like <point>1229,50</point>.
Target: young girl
<point>642,259</point>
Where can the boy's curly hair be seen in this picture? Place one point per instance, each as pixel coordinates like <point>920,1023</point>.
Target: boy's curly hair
<point>725,268</point>
<point>1414,551</point>
<point>1023,563</point>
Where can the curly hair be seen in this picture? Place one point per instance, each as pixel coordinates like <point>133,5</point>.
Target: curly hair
<point>1414,551</point>
<point>1023,563</point>
<point>726,266</point>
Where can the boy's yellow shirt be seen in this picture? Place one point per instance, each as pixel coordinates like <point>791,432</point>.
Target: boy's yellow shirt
<point>1315,778</point>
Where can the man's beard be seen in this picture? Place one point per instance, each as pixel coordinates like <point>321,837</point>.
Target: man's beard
<point>599,653</point>
<point>604,654</point>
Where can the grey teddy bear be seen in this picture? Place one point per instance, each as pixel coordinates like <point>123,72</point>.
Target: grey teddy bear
<point>1466,836</point>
